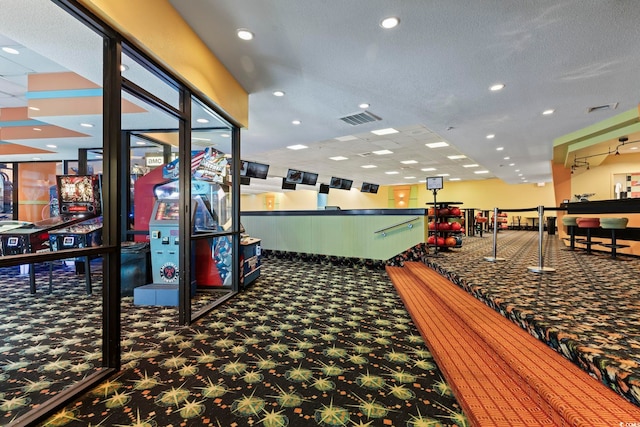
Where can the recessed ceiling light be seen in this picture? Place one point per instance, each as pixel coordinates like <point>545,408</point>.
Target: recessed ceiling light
<point>519,174</point>
<point>36,158</point>
<point>34,108</point>
<point>507,158</point>
<point>244,34</point>
<point>512,164</point>
<point>491,136</point>
<point>480,172</point>
<point>37,129</point>
<point>392,172</point>
<point>295,122</point>
<point>547,112</point>
<point>499,148</point>
<point>386,131</point>
<point>225,135</point>
<point>123,68</point>
<point>409,162</point>
<point>472,165</point>
<point>409,177</point>
<point>368,166</point>
<point>363,105</point>
<point>202,121</point>
<point>454,179</point>
<point>437,144</point>
<point>382,152</point>
<point>338,158</point>
<point>141,143</point>
<point>442,174</point>
<point>427,169</point>
<point>51,146</point>
<point>517,170</point>
<point>297,147</point>
<point>86,125</point>
<point>11,50</point>
<point>278,93</point>
<point>345,138</point>
<point>457,156</point>
<point>193,138</point>
<point>496,87</point>
<point>390,22</point>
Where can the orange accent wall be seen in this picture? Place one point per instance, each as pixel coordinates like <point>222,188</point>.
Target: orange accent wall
<point>33,192</point>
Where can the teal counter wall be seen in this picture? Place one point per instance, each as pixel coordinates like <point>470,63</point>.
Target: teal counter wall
<point>352,233</point>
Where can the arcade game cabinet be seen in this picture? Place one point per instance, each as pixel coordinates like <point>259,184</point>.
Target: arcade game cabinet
<point>78,198</point>
<point>212,214</point>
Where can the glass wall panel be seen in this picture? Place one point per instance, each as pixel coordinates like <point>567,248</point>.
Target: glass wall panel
<point>51,106</point>
<point>139,75</point>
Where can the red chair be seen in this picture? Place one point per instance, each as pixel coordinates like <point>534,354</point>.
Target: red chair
<point>588,223</point>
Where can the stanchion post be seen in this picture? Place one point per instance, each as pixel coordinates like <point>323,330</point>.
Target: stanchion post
<point>540,268</point>
<point>494,258</point>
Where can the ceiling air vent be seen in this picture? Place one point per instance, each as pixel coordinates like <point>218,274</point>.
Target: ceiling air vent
<point>360,118</point>
<point>605,107</point>
<point>367,154</point>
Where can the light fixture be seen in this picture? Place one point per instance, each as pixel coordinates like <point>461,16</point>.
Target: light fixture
<point>297,147</point>
<point>244,34</point>
<point>37,129</point>
<point>295,122</point>
<point>499,148</point>
<point>548,112</point>
<point>123,68</point>
<point>427,169</point>
<point>457,157</point>
<point>368,166</point>
<point>390,22</point>
<point>382,152</point>
<point>491,136</point>
<point>11,50</point>
<point>442,174</point>
<point>363,105</point>
<point>472,165</point>
<point>392,172</point>
<point>86,125</point>
<point>438,144</point>
<point>202,120</point>
<point>496,87</point>
<point>512,164</point>
<point>278,93</point>
<point>480,172</point>
<point>225,135</point>
<point>51,146</point>
<point>409,162</point>
<point>386,131</point>
<point>454,179</point>
<point>409,177</point>
<point>36,158</point>
<point>338,158</point>
<point>507,158</point>
<point>34,109</point>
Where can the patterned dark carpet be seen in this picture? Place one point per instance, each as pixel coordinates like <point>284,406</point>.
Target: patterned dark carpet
<point>306,345</point>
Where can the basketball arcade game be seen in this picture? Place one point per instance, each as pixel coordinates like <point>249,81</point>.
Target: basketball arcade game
<point>79,199</point>
<point>211,210</point>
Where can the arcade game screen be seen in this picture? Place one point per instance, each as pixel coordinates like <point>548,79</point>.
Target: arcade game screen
<point>74,189</point>
<point>168,210</point>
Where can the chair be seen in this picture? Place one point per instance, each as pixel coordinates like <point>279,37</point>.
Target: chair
<point>571,224</point>
<point>614,224</point>
<point>589,224</point>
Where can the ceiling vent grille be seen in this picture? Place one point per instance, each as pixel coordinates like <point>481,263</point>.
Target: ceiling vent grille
<point>605,107</point>
<point>360,118</point>
<point>367,154</point>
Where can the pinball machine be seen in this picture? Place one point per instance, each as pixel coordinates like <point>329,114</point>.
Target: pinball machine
<point>78,200</point>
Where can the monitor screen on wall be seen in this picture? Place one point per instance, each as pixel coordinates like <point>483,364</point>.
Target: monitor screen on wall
<point>309,178</point>
<point>324,189</point>
<point>367,187</point>
<point>294,176</point>
<point>257,170</point>
<point>341,183</point>
<point>287,185</point>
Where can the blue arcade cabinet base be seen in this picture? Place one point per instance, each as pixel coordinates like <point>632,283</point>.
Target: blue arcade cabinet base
<point>156,294</point>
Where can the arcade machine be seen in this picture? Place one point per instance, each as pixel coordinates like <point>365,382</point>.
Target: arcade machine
<point>79,197</point>
<point>78,200</point>
<point>211,213</point>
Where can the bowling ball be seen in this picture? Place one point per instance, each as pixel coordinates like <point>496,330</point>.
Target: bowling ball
<point>450,241</point>
<point>432,225</point>
<point>456,226</point>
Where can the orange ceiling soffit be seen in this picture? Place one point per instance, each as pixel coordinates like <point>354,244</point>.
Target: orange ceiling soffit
<point>58,81</point>
<point>31,132</point>
<point>7,149</point>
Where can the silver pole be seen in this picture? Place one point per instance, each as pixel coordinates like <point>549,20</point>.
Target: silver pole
<point>494,258</point>
<point>540,268</point>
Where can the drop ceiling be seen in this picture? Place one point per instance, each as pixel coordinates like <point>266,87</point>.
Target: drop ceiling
<point>428,78</point>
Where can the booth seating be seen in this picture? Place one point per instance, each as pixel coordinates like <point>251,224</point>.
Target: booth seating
<point>571,224</point>
<point>589,224</point>
<point>614,224</point>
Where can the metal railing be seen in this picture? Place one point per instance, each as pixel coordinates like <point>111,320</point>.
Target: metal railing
<point>408,222</point>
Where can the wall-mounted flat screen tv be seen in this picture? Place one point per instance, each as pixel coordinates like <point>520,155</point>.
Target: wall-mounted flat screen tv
<point>324,189</point>
<point>341,183</point>
<point>287,185</point>
<point>367,187</point>
<point>245,180</point>
<point>254,170</point>
<point>309,178</point>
